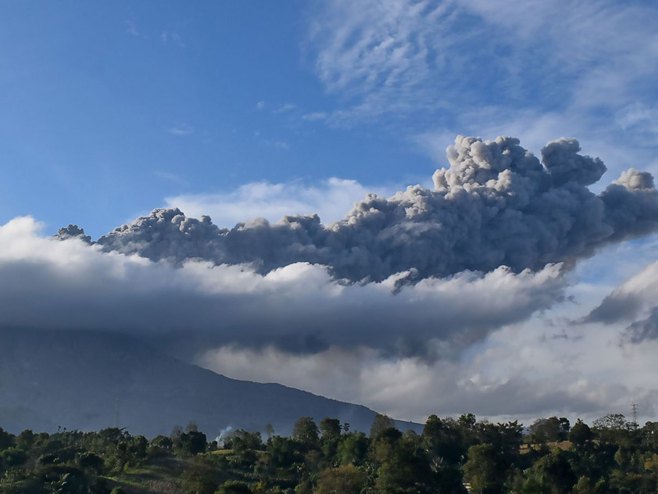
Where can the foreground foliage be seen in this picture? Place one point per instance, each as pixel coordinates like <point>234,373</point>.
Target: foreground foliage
<point>449,456</point>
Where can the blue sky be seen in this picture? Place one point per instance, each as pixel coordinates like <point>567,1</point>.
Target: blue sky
<point>240,109</point>
<point>110,109</point>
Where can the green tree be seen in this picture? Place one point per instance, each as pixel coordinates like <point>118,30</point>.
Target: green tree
<point>580,433</point>
<point>555,473</point>
<point>233,487</point>
<point>242,440</point>
<point>6,439</point>
<point>483,470</point>
<point>379,424</point>
<point>25,440</point>
<point>330,430</point>
<point>551,429</point>
<point>614,428</point>
<point>305,431</point>
<point>353,448</point>
<point>346,479</point>
<point>91,462</point>
<point>191,443</point>
<point>200,477</point>
<point>13,457</point>
<point>444,440</point>
<point>584,485</point>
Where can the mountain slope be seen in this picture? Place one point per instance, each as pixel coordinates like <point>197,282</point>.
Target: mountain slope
<point>91,380</point>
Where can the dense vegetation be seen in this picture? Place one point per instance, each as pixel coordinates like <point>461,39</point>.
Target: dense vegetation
<point>449,456</point>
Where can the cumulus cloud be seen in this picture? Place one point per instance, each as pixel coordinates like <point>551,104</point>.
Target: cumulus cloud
<point>496,204</point>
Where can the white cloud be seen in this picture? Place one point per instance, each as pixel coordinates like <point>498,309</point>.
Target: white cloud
<point>170,37</point>
<point>314,116</point>
<point>131,28</point>
<point>284,108</point>
<point>170,177</point>
<point>181,129</point>
<point>331,199</point>
<point>536,368</point>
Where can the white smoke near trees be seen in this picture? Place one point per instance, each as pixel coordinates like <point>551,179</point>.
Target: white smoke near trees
<point>495,205</point>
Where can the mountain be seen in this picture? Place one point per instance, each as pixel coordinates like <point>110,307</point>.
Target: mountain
<point>91,380</point>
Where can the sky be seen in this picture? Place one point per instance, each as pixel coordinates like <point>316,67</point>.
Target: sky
<point>242,110</point>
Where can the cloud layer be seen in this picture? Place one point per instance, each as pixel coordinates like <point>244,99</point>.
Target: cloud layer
<point>496,204</point>
<point>533,369</point>
<point>69,284</point>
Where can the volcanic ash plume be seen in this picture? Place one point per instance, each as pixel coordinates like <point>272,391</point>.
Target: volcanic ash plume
<point>496,204</point>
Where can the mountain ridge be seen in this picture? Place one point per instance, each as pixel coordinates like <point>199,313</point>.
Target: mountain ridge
<point>87,380</point>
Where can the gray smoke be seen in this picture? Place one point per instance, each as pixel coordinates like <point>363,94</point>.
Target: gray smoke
<point>73,231</point>
<point>643,330</point>
<point>496,204</point>
<point>633,301</point>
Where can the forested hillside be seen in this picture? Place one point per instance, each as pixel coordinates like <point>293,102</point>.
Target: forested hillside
<point>449,456</point>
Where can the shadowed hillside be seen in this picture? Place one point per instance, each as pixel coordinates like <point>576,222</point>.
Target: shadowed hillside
<point>90,380</point>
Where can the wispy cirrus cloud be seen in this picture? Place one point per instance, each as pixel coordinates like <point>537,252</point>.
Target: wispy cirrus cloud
<point>377,57</point>
<point>396,55</point>
<point>131,28</point>
<point>172,37</point>
<point>539,70</point>
<point>181,129</point>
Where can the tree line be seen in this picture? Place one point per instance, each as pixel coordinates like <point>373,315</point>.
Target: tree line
<point>453,456</point>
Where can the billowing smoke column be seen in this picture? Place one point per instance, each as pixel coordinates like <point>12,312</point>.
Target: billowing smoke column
<point>496,204</point>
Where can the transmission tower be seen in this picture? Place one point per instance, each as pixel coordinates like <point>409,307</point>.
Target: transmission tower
<point>634,410</point>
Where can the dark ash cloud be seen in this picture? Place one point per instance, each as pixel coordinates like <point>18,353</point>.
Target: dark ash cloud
<point>496,204</point>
